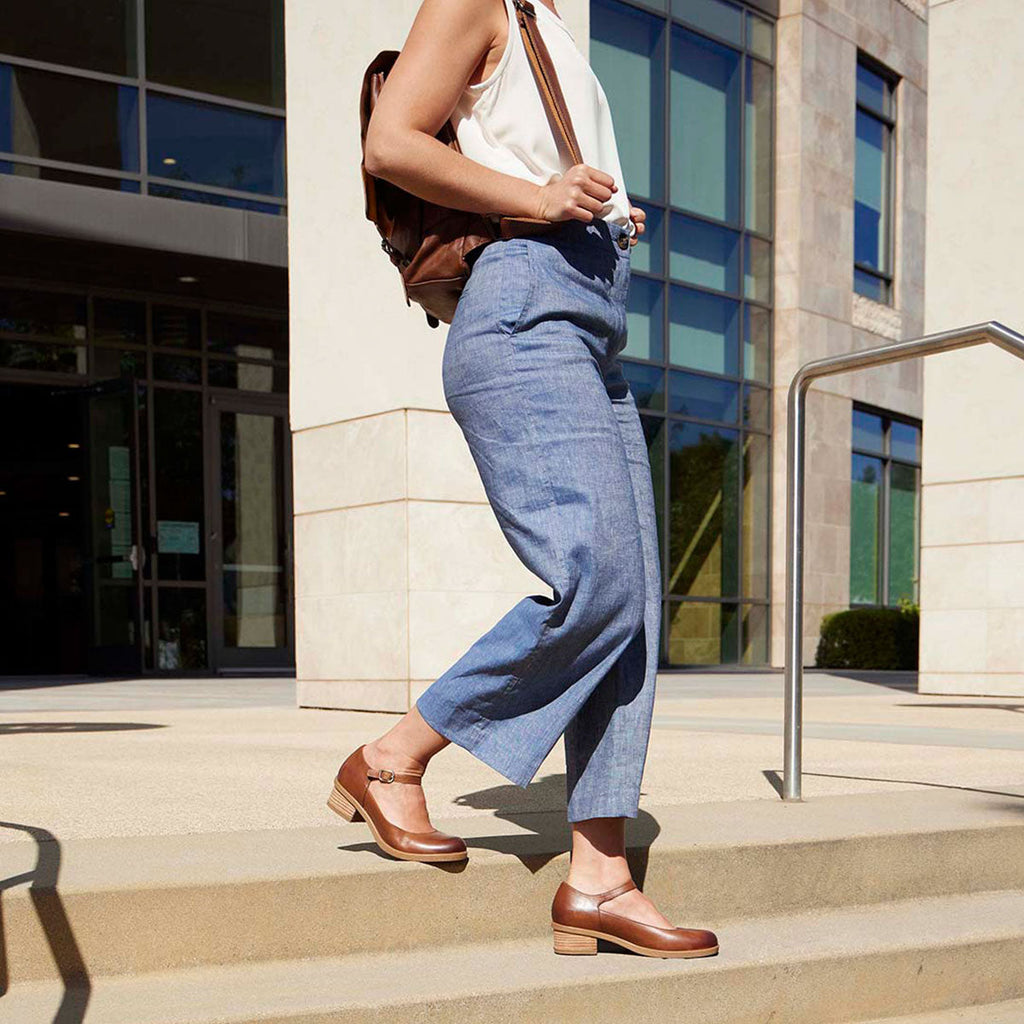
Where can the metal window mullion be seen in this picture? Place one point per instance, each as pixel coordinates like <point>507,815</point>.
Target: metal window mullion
<point>66,69</point>
<point>218,190</point>
<point>140,67</point>
<point>215,99</point>
<point>67,165</point>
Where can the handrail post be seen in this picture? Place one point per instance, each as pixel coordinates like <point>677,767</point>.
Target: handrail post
<point>792,740</point>
<point>796,413</point>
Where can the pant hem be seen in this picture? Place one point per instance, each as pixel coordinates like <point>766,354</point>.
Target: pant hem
<point>476,743</point>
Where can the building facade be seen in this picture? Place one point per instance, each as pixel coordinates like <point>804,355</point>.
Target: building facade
<point>972,607</point>
<point>779,150</point>
<point>145,507</point>
<point>198,364</point>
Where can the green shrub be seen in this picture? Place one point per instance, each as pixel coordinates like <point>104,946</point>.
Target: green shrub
<point>872,638</point>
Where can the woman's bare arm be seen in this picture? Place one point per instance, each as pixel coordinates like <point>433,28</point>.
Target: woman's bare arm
<point>448,39</point>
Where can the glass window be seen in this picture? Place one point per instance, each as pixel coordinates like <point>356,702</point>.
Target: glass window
<point>644,319</point>
<point>705,119</point>
<point>693,394</point>
<point>627,54</point>
<point>704,499</point>
<point>712,16</point>
<point>756,512</point>
<point>63,117</point>
<point>702,633</point>
<point>176,327</point>
<point>246,336</point>
<point>181,632</point>
<point>865,520</point>
<point>884,509</point>
<point>646,383</point>
<point>703,331</point>
<point>698,310</point>
<point>704,254</point>
<point>758,147</point>
<point>178,460</point>
<point>99,35</point>
<point>904,542</point>
<point>873,186</point>
<point>59,315</point>
<point>212,145</point>
<point>114,320</point>
<point>187,40</point>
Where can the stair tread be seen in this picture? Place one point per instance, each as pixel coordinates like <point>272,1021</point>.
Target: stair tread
<point>1011,1012</point>
<point>212,858</point>
<point>284,990</point>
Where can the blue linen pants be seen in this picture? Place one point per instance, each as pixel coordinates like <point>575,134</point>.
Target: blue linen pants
<point>531,375</point>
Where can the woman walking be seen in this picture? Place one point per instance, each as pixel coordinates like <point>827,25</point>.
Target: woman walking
<point>531,375</point>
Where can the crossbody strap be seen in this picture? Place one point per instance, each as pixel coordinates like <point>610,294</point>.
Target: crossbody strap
<point>547,79</point>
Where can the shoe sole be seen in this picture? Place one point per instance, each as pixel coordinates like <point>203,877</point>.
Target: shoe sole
<point>571,941</point>
<point>346,806</point>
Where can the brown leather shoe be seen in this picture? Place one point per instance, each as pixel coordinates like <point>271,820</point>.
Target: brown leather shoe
<point>578,922</point>
<point>353,799</point>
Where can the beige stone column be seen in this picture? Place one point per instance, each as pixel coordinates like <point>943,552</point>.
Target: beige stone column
<point>816,311</point>
<point>972,627</point>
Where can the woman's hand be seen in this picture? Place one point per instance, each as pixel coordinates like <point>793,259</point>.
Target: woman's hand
<point>637,216</point>
<point>578,195</point>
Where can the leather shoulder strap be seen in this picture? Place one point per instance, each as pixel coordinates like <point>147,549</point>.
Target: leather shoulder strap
<point>547,80</point>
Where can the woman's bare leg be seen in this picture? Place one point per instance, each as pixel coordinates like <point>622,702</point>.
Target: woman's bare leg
<point>599,863</point>
<point>409,744</point>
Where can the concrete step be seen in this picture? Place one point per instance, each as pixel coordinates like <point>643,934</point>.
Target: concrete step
<point>140,904</point>
<point>843,965</point>
<point>1011,1012</point>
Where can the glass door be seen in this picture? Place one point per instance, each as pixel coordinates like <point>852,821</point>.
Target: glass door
<point>114,554</point>
<point>250,542</point>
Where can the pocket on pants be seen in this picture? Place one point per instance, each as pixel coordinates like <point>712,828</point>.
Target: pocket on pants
<point>516,283</point>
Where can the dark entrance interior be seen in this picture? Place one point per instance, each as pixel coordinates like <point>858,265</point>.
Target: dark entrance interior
<point>145,472</point>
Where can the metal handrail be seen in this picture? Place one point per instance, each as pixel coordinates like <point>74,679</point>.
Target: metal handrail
<point>944,341</point>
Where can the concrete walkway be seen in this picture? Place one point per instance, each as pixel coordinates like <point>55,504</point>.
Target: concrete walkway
<point>87,758</point>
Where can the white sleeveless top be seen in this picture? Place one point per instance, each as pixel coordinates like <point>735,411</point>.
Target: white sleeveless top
<point>501,122</point>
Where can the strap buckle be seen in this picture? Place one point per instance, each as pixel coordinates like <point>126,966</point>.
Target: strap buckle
<point>385,775</point>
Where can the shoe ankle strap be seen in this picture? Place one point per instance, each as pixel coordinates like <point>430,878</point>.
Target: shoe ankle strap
<point>388,776</point>
<point>603,897</point>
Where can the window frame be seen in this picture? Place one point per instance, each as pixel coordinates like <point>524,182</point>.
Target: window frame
<point>737,604</point>
<point>139,181</point>
<point>892,80</point>
<point>887,459</point>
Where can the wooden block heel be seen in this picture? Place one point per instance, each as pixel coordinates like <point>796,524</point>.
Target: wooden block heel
<point>574,945</point>
<point>341,805</point>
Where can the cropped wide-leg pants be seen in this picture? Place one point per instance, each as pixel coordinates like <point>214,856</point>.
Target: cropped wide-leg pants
<point>532,376</point>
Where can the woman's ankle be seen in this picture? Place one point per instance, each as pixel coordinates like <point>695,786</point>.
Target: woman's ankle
<point>385,748</point>
<point>599,876</point>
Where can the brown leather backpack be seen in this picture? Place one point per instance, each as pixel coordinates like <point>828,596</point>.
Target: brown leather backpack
<point>434,246</point>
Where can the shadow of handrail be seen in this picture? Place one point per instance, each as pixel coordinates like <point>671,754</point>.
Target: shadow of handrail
<point>53,918</point>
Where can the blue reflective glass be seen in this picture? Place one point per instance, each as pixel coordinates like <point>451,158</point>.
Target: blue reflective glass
<point>871,193</point>
<point>868,432</point>
<point>203,143</point>
<point>644,319</point>
<point>647,384</point>
<point>705,398</point>
<point>905,441</point>
<point>703,331</point>
<point>706,116</point>
<point>627,51</point>
<point>648,253</point>
<point>873,90</point>
<point>63,117</point>
<point>704,254</point>
<point>714,16</point>
<point>869,286</point>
